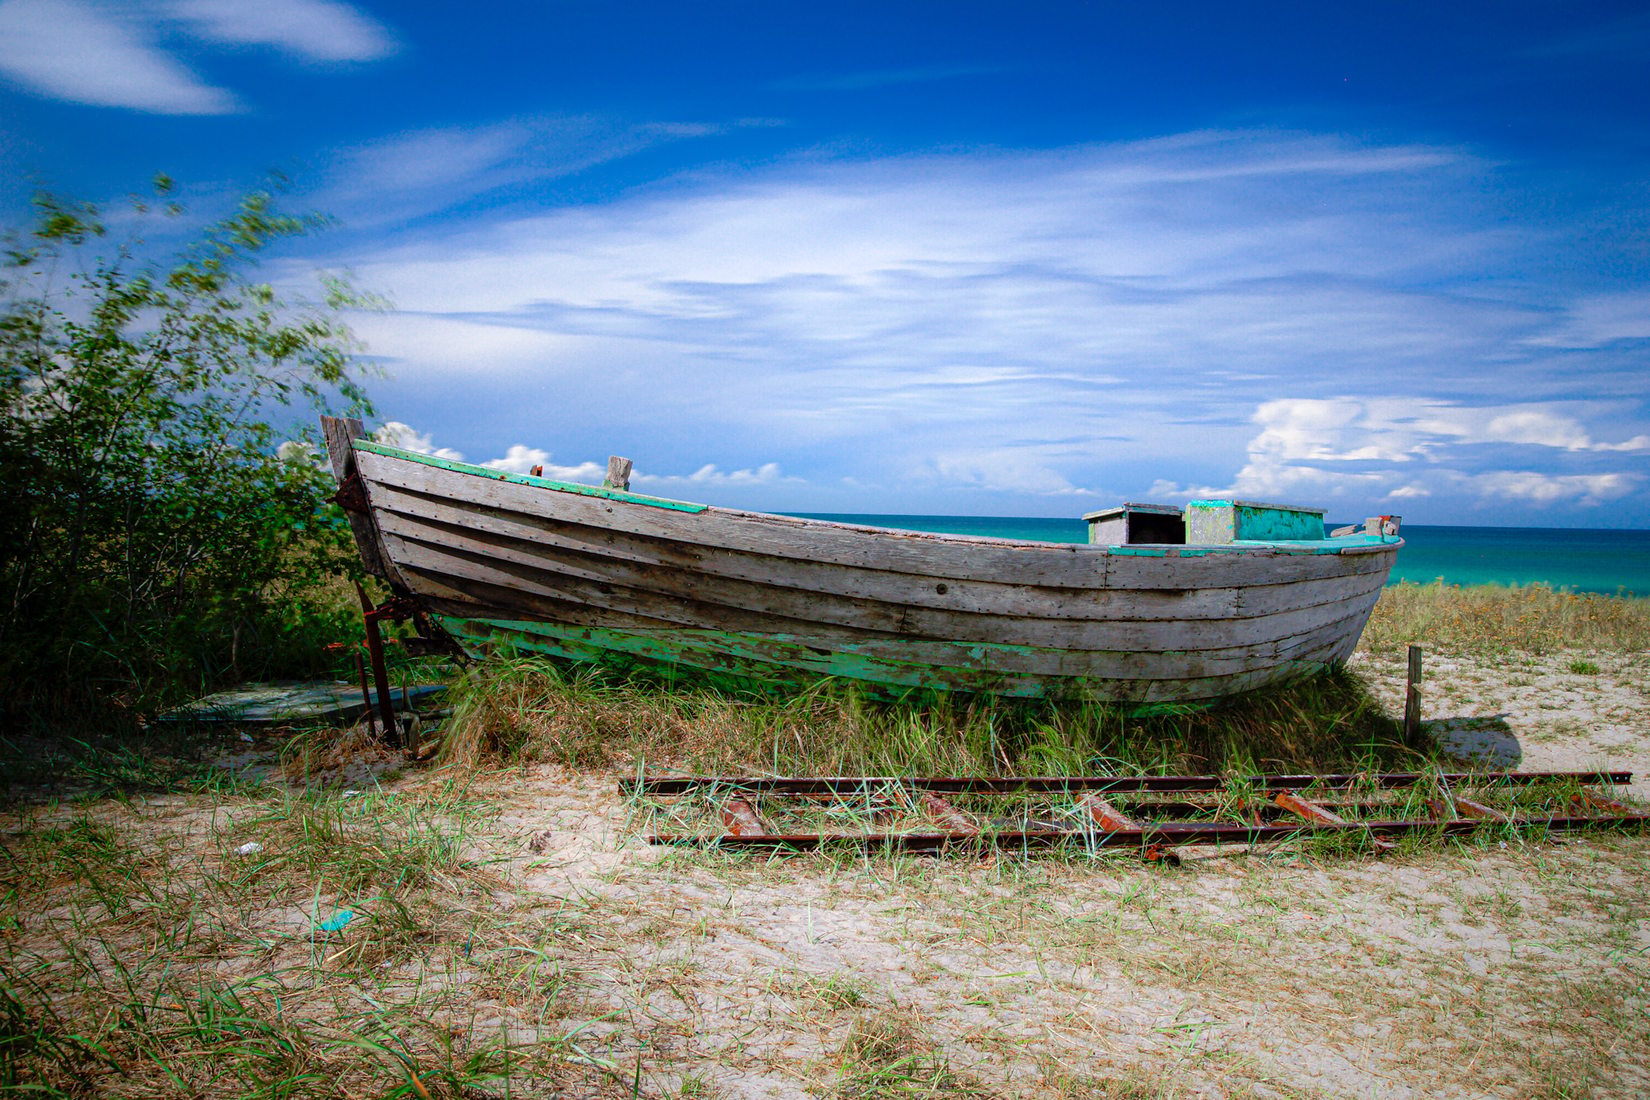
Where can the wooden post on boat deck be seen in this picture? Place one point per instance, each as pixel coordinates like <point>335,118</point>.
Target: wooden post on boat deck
<point>618,473</point>
<point>1412,699</point>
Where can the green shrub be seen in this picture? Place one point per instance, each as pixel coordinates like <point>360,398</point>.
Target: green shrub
<point>152,541</point>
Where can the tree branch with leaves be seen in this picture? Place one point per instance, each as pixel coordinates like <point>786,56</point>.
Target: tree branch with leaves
<point>147,523</point>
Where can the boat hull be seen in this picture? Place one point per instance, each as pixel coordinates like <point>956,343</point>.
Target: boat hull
<point>509,562</point>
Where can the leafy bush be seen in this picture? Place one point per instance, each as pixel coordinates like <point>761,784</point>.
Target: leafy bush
<point>151,538</point>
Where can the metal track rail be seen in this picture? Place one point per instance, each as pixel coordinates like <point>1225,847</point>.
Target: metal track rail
<point>912,814</point>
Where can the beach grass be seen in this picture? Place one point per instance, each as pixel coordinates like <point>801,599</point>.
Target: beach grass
<point>536,709</point>
<point>354,949</point>
<point>1494,618</point>
<point>406,941</point>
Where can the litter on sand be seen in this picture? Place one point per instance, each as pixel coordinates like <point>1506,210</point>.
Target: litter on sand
<point>337,921</point>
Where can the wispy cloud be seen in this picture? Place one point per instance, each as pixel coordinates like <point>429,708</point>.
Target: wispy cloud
<point>1598,320</point>
<point>119,55</point>
<point>709,476</point>
<point>84,54</point>
<point>412,174</point>
<point>312,30</point>
<point>1588,490</point>
<point>1213,309</point>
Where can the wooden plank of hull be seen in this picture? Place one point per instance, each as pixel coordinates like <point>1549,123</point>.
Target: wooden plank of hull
<point>640,559</point>
<point>949,557</point>
<point>711,602</point>
<point>998,659</point>
<point>786,598</point>
<point>825,650</point>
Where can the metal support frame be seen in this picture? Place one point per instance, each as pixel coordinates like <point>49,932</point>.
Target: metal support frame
<point>366,695</point>
<point>1214,813</point>
<point>394,609</point>
<point>380,672</point>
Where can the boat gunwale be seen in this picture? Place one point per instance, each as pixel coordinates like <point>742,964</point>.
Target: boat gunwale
<point>1343,545</point>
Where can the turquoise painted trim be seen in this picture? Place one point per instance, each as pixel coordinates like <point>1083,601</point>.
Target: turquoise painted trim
<point>529,479</point>
<point>1138,551</point>
<point>1238,546</point>
<point>1342,545</point>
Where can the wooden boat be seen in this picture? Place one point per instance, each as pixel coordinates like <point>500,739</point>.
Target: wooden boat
<point>1163,605</point>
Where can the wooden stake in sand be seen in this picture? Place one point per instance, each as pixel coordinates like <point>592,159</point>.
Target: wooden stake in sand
<point>1412,698</point>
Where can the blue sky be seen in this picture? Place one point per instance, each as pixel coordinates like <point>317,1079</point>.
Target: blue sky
<point>1025,259</point>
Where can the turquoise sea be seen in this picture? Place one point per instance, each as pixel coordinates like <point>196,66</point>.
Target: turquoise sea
<point>1580,560</point>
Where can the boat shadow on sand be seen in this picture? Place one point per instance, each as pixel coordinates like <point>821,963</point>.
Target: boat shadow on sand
<point>1485,741</point>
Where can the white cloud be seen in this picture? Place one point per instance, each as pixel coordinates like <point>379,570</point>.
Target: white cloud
<point>73,51</point>
<point>113,55</point>
<point>1318,431</point>
<point>1547,489</point>
<point>316,30</point>
<point>1402,429</point>
<point>1537,428</point>
<point>1213,311</point>
<point>709,475</point>
<point>1305,446</point>
<point>521,459</point>
<point>396,434</point>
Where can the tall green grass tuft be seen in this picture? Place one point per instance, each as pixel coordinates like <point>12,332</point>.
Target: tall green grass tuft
<point>533,708</point>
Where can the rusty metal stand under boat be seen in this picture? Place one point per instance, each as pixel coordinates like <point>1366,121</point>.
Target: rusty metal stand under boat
<point>1129,811</point>
<point>394,609</point>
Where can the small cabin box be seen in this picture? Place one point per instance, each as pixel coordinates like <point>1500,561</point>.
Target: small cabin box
<point>1217,522</point>
<point>1137,524</point>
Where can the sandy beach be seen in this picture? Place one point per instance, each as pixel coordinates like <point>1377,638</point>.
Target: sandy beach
<point>1482,968</point>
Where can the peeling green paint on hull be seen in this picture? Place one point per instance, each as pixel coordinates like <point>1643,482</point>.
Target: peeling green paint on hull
<point>778,664</point>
